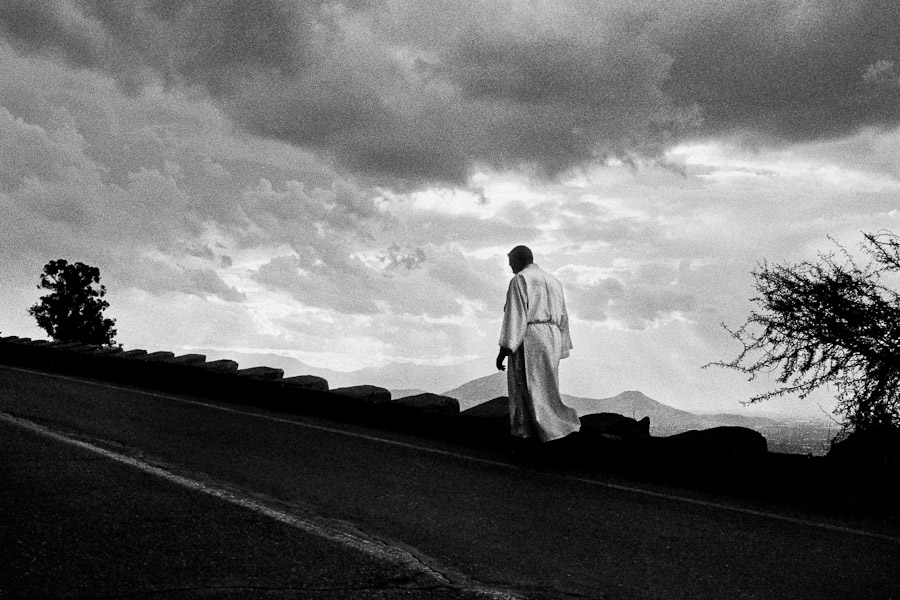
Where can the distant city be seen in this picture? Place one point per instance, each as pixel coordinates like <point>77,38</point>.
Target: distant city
<point>800,437</point>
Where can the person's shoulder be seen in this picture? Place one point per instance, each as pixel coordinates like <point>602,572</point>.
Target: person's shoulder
<point>535,271</point>
<point>546,275</point>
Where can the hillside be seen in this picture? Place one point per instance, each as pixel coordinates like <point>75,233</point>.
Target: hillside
<point>479,390</point>
<point>664,420</point>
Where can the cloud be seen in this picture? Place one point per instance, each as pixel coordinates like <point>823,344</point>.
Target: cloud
<point>439,285</point>
<point>882,73</point>
<point>28,150</point>
<point>788,71</point>
<point>206,281</point>
<point>420,92</point>
<point>162,276</point>
<point>397,258</point>
<point>478,280</point>
<point>120,182</point>
<point>287,273</point>
<point>351,289</point>
<point>640,302</point>
<point>344,180</point>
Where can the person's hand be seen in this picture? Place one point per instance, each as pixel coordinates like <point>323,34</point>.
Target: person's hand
<point>504,352</point>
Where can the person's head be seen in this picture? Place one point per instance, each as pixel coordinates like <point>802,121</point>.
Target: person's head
<point>519,258</point>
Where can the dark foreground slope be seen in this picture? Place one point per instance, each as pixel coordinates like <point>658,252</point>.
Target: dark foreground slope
<point>853,487</point>
<point>464,518</point>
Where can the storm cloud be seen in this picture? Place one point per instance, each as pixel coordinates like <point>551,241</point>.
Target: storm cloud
<point>341,181</point>
<point>422,92</point>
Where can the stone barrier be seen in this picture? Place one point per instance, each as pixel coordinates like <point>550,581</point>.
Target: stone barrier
<point>498,408</point>
<point>727,438</point>
<point>615,426</point>
<point>108,351</point>
<point>189,359</point>
<point>432,403</point>
<point>87,348</point>
<point>723,460</point>
<point>163,356</point>
<point>424,414</point>
<point>265,373</point>
<point>307,381</point>
<point>366,393</point>
<point>223,366</point>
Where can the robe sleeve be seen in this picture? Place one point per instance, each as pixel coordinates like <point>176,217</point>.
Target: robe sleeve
<point>564,330</point>
<point>515,315</point>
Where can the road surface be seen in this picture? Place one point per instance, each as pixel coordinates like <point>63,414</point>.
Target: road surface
<point>116,492</point>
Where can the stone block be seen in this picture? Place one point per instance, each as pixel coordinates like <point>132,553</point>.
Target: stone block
<point>189,359</point>
<point>498,408</point>
<point>308,382</point>
<point>367,393</point>
<point>735,439</point>
<point>63,345</point>
<point>267,373</point>
<point>162,356</point>
<point>108,351</point>
<point>615,426</point>
<point>222,366</point>
<point>869,448</point>
<point>432,403</point>
<point>85,349</point>
<point>71,346</point>
<point>132,354</point>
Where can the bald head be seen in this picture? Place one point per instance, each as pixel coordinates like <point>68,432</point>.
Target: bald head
<point>519,258</point>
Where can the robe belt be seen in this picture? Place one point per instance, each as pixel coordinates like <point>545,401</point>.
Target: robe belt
<point>548,322</point>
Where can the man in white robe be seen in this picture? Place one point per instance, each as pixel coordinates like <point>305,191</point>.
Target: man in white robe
<point>535,335</point>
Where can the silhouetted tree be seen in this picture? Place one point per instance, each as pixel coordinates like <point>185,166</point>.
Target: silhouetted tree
<point>830,322</point>
<point>73,311</point>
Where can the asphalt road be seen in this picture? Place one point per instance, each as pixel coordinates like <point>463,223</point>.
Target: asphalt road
<point>119,493</point>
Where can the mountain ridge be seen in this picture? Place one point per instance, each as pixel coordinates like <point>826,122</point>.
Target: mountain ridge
<point>664,419</point>
<point>393,376</point>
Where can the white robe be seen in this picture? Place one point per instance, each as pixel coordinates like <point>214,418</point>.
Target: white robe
<point>536,330</point>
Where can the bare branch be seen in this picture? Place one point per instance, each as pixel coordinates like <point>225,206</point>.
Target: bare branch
<point>829,322</point>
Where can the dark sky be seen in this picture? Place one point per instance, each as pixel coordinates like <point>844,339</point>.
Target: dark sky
<point>340,181</point>
<point>423,92</point>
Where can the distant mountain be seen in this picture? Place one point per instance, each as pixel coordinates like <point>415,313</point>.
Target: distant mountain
<point>393,376</point>
<point>664,420</point>
<point>479,390</point>
<point>405,393</point>
<point>290,366</point>
<point>431,378</point>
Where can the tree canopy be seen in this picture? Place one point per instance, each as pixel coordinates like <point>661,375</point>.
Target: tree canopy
<point>73,311</point>
<point>830,322</point>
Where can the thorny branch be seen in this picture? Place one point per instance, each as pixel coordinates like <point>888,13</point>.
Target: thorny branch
<point>829,322</point>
